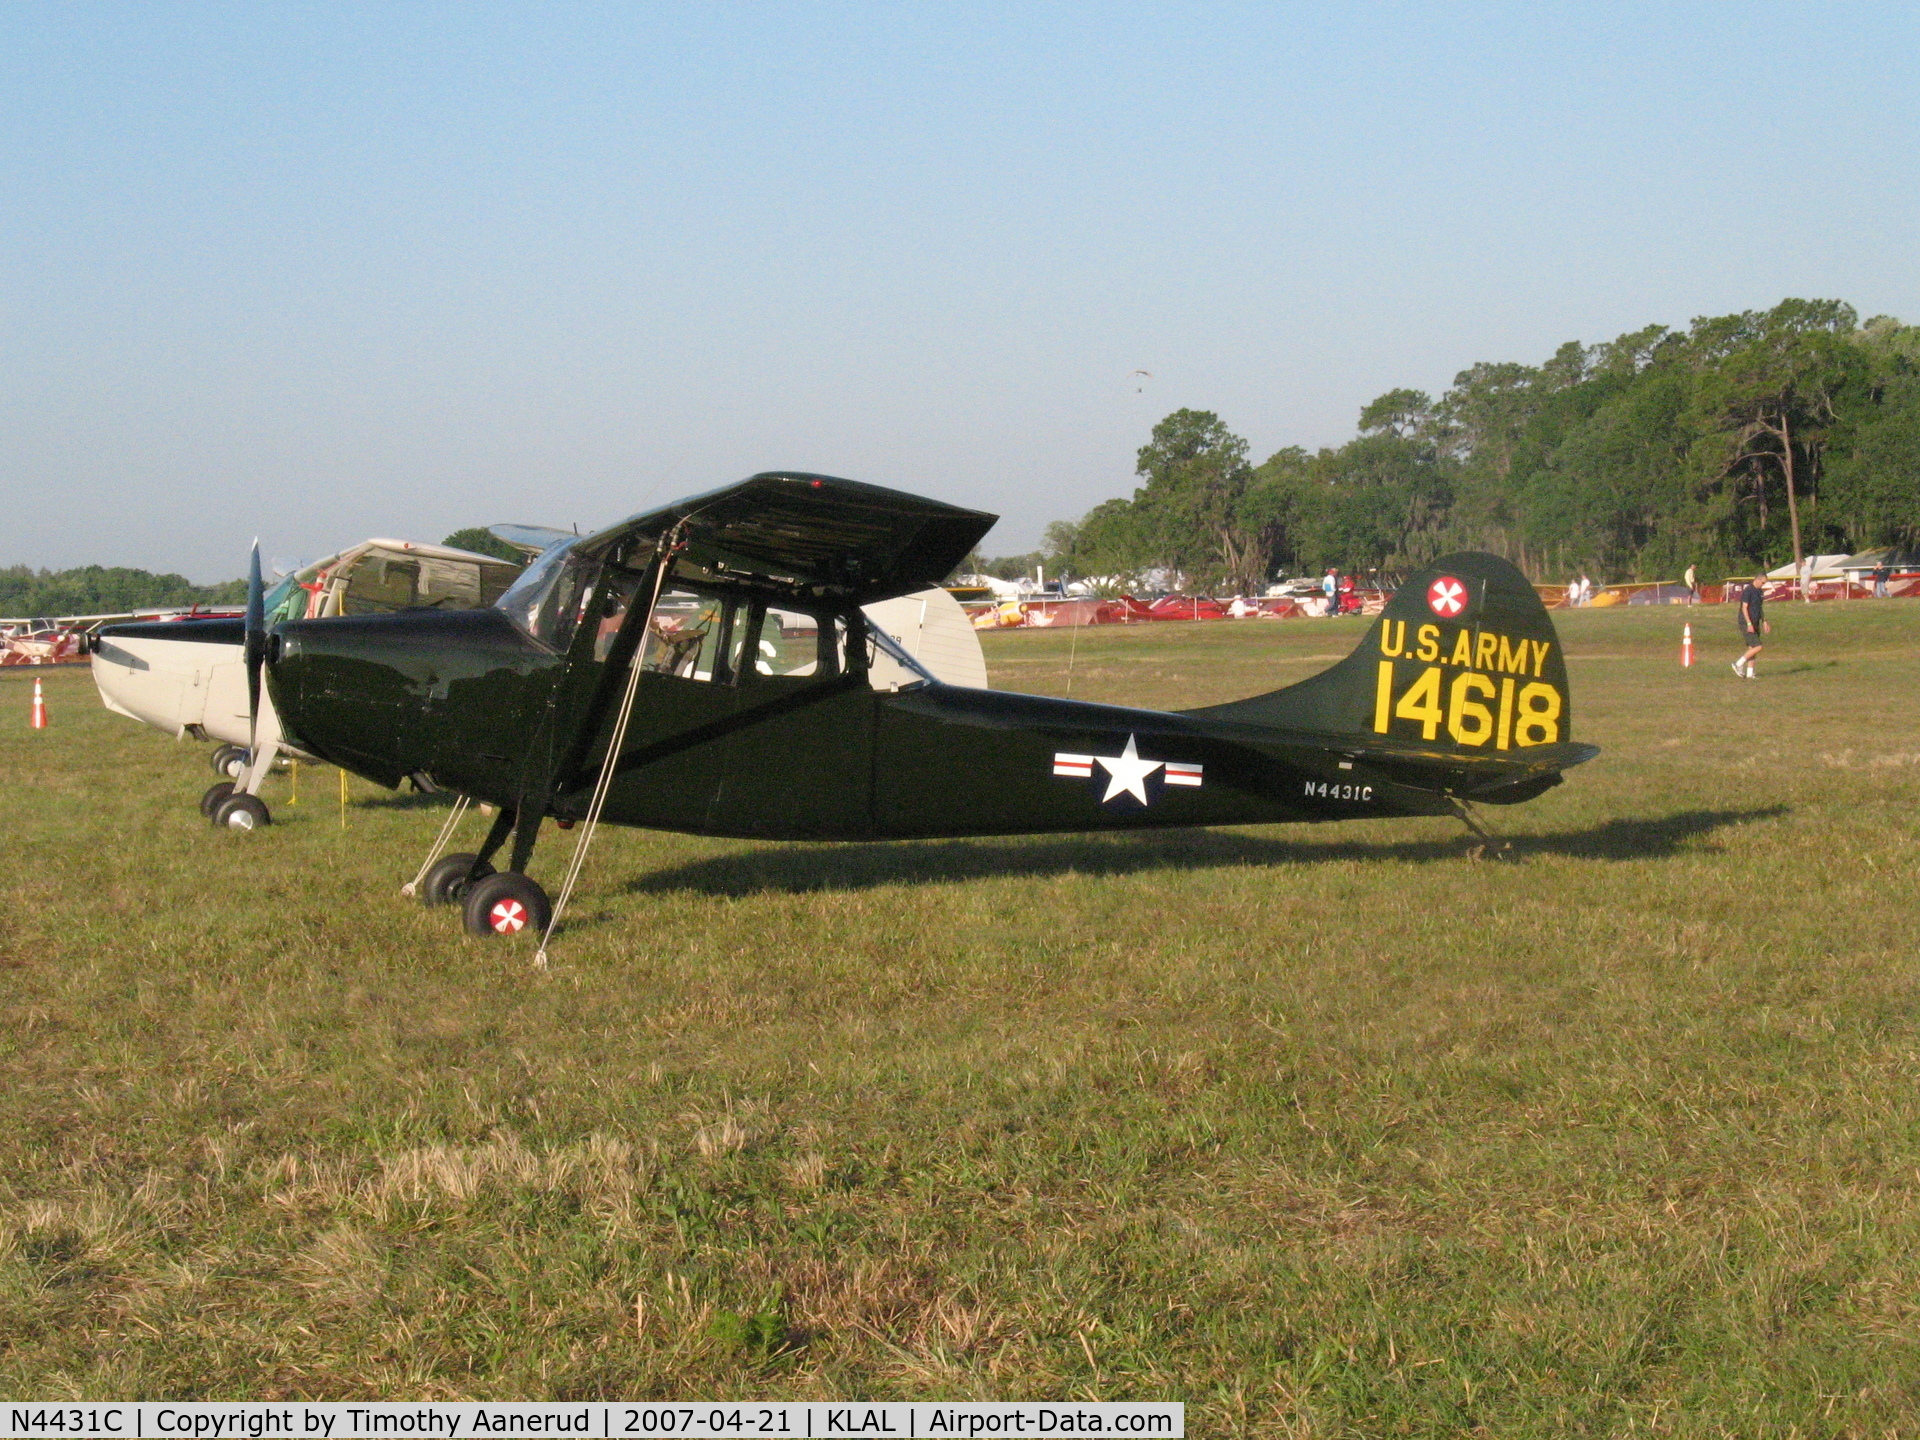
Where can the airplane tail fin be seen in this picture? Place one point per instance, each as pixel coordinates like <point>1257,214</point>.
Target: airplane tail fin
<point>1460,684</point>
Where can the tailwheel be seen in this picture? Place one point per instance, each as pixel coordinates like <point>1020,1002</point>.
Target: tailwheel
<point>1487,846</point>
<point>242,811</point>
<point>507,904</point>
<point>447,881</point>
<point>215,797</point>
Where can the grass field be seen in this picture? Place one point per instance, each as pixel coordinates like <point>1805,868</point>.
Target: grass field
<point>1325,1131</point>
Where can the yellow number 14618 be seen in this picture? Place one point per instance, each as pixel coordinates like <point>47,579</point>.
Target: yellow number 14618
<point>1529,717</point>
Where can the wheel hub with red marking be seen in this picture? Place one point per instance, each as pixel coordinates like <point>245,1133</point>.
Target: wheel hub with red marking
<point>1447,597</point>
<point>508,917</point>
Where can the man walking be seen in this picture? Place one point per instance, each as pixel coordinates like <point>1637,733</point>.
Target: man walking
<point>1753,625</point>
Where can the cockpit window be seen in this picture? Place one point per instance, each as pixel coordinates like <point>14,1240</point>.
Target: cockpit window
<point>696,636</point>
<point>285,601</point>
<point>545,601</point>
<point>789,643</point>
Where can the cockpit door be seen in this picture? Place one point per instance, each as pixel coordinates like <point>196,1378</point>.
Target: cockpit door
<point>747,718</point>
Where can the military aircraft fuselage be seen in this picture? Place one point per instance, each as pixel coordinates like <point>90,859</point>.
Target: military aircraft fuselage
<point>469,702</point>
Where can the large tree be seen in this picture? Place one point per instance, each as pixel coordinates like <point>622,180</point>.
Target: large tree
<point>1871,493</point>
<point>483,542</point>
<point>1197,474</point>
<point>1769,384</point>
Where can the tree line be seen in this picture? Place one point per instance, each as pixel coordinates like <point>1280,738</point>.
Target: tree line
<point>110,589</point>
<point>105,590</point>
<point>1740,442</point>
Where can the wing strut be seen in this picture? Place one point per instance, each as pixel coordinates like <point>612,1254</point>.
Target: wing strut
<point>669,544</point>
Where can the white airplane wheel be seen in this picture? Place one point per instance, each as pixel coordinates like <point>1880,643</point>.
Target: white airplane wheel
<point>242,812</point>
<point>223,756</point>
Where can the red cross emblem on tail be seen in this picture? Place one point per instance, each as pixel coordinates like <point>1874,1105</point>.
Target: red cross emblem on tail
<point>1447,597</point>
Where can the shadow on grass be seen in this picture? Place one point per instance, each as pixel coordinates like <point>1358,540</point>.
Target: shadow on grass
<point>797,869</point>
<point>405,800</point>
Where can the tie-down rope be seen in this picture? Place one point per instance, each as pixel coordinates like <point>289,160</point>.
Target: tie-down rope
<point>412,887</point>
<point>664,552</point>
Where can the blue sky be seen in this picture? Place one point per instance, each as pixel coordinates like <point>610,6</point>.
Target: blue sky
<point>324,271</point>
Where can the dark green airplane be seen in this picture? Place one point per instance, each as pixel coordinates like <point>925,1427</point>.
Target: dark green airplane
<point>707,667</point>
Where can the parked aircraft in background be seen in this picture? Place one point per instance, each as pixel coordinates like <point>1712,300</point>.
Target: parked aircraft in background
<point>189,678</point>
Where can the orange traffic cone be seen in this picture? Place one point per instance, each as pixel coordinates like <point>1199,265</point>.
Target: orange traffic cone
<point>39,719</point>
<point>1686,646</point>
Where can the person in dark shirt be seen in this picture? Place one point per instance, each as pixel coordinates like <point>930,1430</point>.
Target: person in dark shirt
<point>1753,625</point>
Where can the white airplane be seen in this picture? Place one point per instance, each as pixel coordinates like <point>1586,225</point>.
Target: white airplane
<point>189,677</point>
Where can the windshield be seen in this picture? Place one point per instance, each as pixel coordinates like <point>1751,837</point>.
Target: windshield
<point>274,607</point>
<point>531,602</point>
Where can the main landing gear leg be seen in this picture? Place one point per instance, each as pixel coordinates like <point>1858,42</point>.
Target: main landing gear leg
<point>503,823</point>
<point>509,903</point>
<point>1489,846</point>
<point>526,834</point>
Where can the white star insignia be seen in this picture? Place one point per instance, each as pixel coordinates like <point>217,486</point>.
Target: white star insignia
<point>1127,772</point>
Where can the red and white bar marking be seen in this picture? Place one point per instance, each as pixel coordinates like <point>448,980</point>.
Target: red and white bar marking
<point>1080,766</point>
<point>1179,772</point>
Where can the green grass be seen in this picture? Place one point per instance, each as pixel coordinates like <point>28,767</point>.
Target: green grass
<point>1325,1131</point>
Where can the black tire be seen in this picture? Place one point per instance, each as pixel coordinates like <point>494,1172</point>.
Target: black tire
<point>215,797</point>
<point>237,763</point>
<point>241,811</point>
<point>507,904</point>
<point>221,755</point>
<point>446,882</point>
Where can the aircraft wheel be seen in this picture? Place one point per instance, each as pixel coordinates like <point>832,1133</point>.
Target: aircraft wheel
<point>446,883</point>
<point>222,754</point>
<point>507,904</point>
<point>215,797</point>
<point>242,812</point>
<point>237,762</point>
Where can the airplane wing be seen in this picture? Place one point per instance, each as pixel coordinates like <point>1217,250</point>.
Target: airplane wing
<point>793,534</point>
